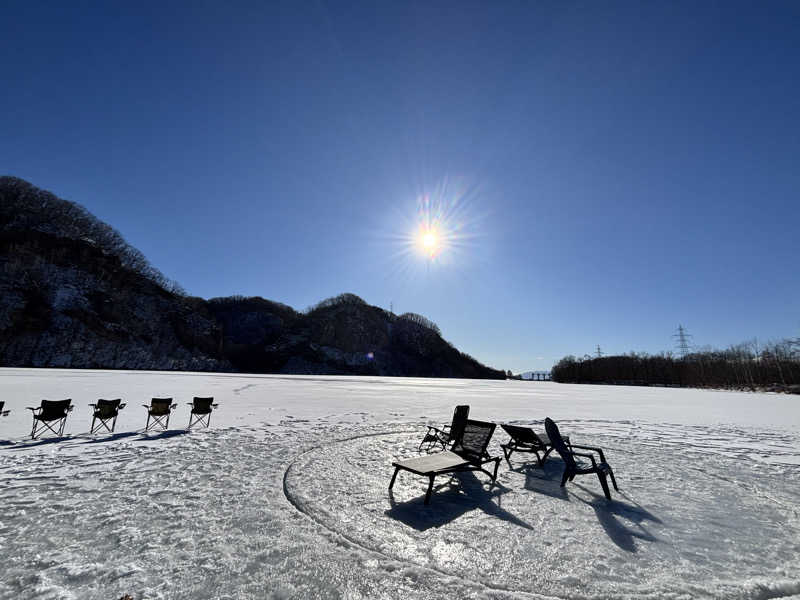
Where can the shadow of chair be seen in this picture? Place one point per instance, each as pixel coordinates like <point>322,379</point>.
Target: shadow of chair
<point>466,493</point>
<point>609,515</point>
<point>546,479</point>
<point>145,436</point>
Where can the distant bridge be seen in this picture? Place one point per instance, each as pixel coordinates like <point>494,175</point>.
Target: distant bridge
<point>538,376</point>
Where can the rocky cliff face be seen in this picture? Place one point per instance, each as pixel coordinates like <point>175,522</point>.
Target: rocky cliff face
<point>74,294</point>
<point>66,304</point>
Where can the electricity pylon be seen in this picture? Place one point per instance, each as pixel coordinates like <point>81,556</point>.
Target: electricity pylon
<point>599,352</point>
<point>682,341</point>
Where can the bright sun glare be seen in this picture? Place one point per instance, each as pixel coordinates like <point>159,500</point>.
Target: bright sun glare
<point>430,241</point>
<point>444,227</point>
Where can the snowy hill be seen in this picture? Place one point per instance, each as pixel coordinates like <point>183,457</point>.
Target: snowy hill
<point>73,293</point>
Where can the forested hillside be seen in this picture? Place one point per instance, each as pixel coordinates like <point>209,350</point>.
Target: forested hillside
<point>74,293</point>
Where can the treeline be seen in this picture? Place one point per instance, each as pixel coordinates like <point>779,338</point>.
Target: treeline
<point>750,365</point>
<point>24,207</point>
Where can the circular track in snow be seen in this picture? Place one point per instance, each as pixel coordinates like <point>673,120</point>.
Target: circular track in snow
<point>682,525</point>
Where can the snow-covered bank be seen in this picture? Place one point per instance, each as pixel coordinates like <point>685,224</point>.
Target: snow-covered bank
<point>286,495</point>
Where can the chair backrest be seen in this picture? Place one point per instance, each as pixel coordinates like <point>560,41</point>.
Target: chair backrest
<point>54,409</point>
<point>105,409</point>
<point>160,406</point>
<point>202,405</point>
<point>523,435</point>
<point>460,416</point>
<point>2,404</point>
<point>474,440</point>
<point>558,442</point>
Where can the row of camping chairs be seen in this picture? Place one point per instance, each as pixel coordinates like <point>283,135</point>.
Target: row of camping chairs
<point>52,414</point>
<point>462,446</point>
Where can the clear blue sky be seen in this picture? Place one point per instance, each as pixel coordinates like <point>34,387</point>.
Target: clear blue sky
<point>606,170</point>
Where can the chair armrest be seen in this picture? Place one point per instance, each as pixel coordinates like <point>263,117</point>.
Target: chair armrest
<point>95,405</point>
<point>589,456</point>
<point>436,429</point>
<point>215,405</point>
<point>598,450</point>
<point>121,406</point>
<point>33,409</point>
<point>146,406</point>
<point>70,407</point>
<point>173,406</point>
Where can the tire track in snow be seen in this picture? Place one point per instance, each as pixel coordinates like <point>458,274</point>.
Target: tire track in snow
<point>431,570</point>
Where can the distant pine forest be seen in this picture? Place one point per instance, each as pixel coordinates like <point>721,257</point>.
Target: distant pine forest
<point>748,366</point>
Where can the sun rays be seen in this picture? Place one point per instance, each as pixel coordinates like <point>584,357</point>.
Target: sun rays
<point>441,231</point>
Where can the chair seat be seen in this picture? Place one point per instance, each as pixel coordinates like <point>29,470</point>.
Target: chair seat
<point>432,463</point>
<point>104,414</point>
<point>49,417</point>
<point>201,411</point>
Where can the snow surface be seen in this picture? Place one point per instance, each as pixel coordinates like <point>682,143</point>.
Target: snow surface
<point>285,496</point>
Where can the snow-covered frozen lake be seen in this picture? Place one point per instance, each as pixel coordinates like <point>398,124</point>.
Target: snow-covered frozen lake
<point>285,496</point>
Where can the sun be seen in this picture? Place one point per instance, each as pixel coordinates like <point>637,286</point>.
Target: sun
<point>442,232</point>
<point>429,241</point>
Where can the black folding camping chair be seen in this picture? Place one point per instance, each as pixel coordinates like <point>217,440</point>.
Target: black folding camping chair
<point>201,411</point>
<point>439,438</point>
<point>3,413</point>
<point>51,414</point>
<point>159,411</point>
<point>105,411</point>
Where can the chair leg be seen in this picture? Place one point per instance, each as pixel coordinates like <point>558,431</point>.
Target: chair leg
<point>565,477</point>
<point>601,475</point>
<point>613,479</point>
<point>430,489</point>
<point>91,429</point>
<point>496,466</point>
<point>391,483</point>
<point>33,430</point>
